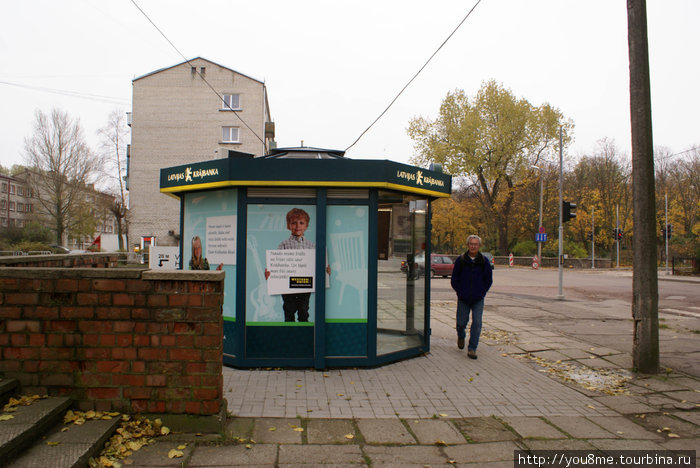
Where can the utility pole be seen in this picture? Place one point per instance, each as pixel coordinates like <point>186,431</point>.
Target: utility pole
<point>666,233</point>
<point>617,234</point>
<point>560,296</point>
<point>645,286</point>
<point>593,238</point>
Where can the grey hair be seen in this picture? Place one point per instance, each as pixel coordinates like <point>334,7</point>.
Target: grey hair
<point>474,236</point>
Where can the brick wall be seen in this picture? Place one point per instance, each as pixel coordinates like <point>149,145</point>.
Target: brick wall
<point>115,338</point>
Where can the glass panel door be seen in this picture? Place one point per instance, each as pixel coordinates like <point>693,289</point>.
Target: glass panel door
<point>401,277</point>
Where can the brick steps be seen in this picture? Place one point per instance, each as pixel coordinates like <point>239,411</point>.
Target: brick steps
<point>34,436</point>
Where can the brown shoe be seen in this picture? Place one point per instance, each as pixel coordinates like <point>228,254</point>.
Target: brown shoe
<point>472,354</point>
<point>460,343</point>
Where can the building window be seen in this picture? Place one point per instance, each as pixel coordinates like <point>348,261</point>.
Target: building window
<point>3,205</point>
<point>20,207</point>
<point>12,206</point>
<point>4,187</point>
<point>231,102</point>
<point>229,134</point>
<point>12,189</point>
<point>3,221</point>
<point>20,191</point>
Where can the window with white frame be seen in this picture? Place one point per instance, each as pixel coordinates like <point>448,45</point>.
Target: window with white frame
<point>12,206</point>
<point>229,134</point>
<point>231,102</point>
<point>12,189</point>
<point>20,191</point>
<point>3,205</point>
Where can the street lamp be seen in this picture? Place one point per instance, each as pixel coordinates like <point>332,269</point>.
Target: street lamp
<point>539,244</point>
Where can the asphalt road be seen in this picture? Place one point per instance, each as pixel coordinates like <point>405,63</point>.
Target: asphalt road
<point>597,307</point>
<point>677,298</point>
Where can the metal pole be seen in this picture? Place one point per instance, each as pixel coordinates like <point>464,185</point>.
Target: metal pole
<point>593,238</point>
<point>666,230</point>
<point>539,244</point>
<point>617,237</point>
<point>560,296</point>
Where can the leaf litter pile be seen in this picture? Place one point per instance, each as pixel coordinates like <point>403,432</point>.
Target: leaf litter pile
<point>607,381</point>
<point>132,434</point>
<point>611,382</point>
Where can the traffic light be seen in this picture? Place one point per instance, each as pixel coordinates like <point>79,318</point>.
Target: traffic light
<point>669,230</point>
<point>569,211</point>
<point>589,236</point>
<point>619,234</point>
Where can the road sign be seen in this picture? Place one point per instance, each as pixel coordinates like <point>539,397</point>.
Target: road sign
<point>541,237</point>
<point>542,230</point>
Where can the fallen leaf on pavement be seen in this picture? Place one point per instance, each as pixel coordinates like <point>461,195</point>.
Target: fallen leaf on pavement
<point>175,453</point>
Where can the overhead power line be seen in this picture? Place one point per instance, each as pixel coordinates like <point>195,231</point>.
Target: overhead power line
<point>415,76</point>
<point>198,73</point>
<point>65,92</point>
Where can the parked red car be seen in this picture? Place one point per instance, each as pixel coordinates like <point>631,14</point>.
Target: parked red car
<point>440,265</point>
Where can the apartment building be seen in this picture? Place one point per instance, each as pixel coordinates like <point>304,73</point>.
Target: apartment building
<point>16,204</point>
<point>20,205</point>
<point>194,111</point>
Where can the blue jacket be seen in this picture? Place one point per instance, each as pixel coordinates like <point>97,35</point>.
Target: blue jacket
<point>471,279</point>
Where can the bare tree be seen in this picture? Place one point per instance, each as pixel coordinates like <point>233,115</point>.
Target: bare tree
<point>113,144</point>
<point>61,165</point>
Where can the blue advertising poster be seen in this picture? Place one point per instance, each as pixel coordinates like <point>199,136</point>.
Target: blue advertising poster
<point>209,238</point>
<point>279,282</point>
<point>347,231</point>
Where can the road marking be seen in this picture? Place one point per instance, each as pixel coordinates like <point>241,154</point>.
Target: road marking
<point>680,312</point>
<point>675,298</point>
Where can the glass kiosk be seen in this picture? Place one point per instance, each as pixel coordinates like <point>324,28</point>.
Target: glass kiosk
<point>324,256</point>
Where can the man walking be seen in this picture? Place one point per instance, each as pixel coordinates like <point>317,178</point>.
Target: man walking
<point>471,280</point>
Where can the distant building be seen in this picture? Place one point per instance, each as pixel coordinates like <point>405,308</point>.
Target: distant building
<point>177,118</point>
<point>20,205</point>
<point>16,203</point>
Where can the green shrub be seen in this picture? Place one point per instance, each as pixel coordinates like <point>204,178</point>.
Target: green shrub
<point>27,246</point>
<point>525,248</point>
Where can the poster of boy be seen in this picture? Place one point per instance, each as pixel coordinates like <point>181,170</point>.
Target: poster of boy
<point>300,276</point>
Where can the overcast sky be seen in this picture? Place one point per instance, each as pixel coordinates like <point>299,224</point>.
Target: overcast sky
<point>331,67</point>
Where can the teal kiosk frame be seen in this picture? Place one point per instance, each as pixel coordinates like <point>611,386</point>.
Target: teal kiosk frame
<point>360,264</point>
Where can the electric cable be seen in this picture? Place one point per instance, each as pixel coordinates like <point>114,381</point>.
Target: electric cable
<point>197,72</point>
<point>91,97</point>
<point>414,76</point>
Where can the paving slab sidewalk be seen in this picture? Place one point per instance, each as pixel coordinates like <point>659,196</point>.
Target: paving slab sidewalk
<point>443,409</point>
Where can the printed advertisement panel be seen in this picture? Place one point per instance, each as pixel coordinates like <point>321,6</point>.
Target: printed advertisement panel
<point>347,234</point>
<point>271,229</point>
<point>209,238</point>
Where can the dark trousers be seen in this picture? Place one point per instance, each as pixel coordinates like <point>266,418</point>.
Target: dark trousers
<point>294,303</point>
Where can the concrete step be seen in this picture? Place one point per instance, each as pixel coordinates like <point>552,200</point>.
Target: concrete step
<point>71,448</point>
<point>29,423</point>
<point>8,387</point>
